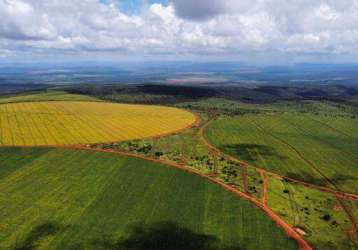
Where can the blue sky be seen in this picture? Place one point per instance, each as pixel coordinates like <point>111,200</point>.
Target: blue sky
<point>131,7</point>
<point>271,31</point>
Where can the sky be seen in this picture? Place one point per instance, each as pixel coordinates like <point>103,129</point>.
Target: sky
<point>251,31</point>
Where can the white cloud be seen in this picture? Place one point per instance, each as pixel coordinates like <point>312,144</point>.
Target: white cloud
<point>183,27</point>
<point>198,9</point>
<point>4,53</point>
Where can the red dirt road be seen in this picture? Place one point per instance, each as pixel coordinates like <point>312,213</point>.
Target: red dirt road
<point>261,203</point>
<point>290,231</point>
<point>340,194</point>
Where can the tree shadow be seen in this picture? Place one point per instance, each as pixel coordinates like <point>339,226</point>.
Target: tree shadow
<point>319,180</point>
<point>39,232</point>
<point>253,152</point>
<point>307,177</point>
<point>341,177</point>
<point>162,236</point>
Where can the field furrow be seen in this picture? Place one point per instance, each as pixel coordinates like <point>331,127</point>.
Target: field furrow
<point>69,199</point>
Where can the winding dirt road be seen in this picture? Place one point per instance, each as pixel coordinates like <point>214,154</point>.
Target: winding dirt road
<point>340,194</point>
<point>259,202</point>
<point>289,230</point>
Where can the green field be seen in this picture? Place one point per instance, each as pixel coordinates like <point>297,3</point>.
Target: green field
<point>49,95</point>
<point>64,199</point>
<point>315,148</point>
<point>307,209</point>
<point>69,199</point>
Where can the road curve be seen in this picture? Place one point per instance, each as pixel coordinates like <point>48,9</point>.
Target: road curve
<point>289,230</point>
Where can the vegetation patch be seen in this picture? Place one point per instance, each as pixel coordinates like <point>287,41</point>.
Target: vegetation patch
<point>307,147</point>
<point>69,199</point>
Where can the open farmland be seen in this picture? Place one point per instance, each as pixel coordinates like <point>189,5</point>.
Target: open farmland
<point>69,199</point>
<point>57,123</point>
<point>320,215</point>
<point>48,95</point>
<point>305,208</point>
<point>316,149</point>
<point>61,198</point>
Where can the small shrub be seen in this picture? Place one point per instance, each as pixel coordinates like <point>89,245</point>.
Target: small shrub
<point>326,217</point>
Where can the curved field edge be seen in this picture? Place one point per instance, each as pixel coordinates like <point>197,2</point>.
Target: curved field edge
<point>302,208</point>
<point>78,122</point>
<point>338,211</point>
<point>61,198</point>
<point>297,147</point>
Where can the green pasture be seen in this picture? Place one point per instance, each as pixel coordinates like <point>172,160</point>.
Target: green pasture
<point>320,215</point>
<point>48,95</point>
<point>68,199</point>
<point>314,148</point>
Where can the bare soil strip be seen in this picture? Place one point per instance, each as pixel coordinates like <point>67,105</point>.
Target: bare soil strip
<point>290,231</point>
<point>260,203</point>
<point>341,194</point>
<point>328,180</point>
<point>264,186</point>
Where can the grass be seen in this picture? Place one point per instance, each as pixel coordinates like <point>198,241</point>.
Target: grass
<point>297,210</point>
<point>54,123</point>
<point>49,95</point>
<point>313,148</point>
<point>224,106</point>
<point>307,209</point>
<point>302,140</point>
<point>310,146</point>
<point>187,148</point>
<point>66,199</point>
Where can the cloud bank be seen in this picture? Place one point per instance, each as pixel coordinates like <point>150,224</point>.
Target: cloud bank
<point>179,28</point>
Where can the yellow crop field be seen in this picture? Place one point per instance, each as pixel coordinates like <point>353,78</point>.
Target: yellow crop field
<point>61,122</point>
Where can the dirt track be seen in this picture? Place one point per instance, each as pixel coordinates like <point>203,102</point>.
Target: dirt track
<point>290,231</point>
<point>328,180</point>
<point>264,187</point>
<point>262,204</point>
<point>340,194</point>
